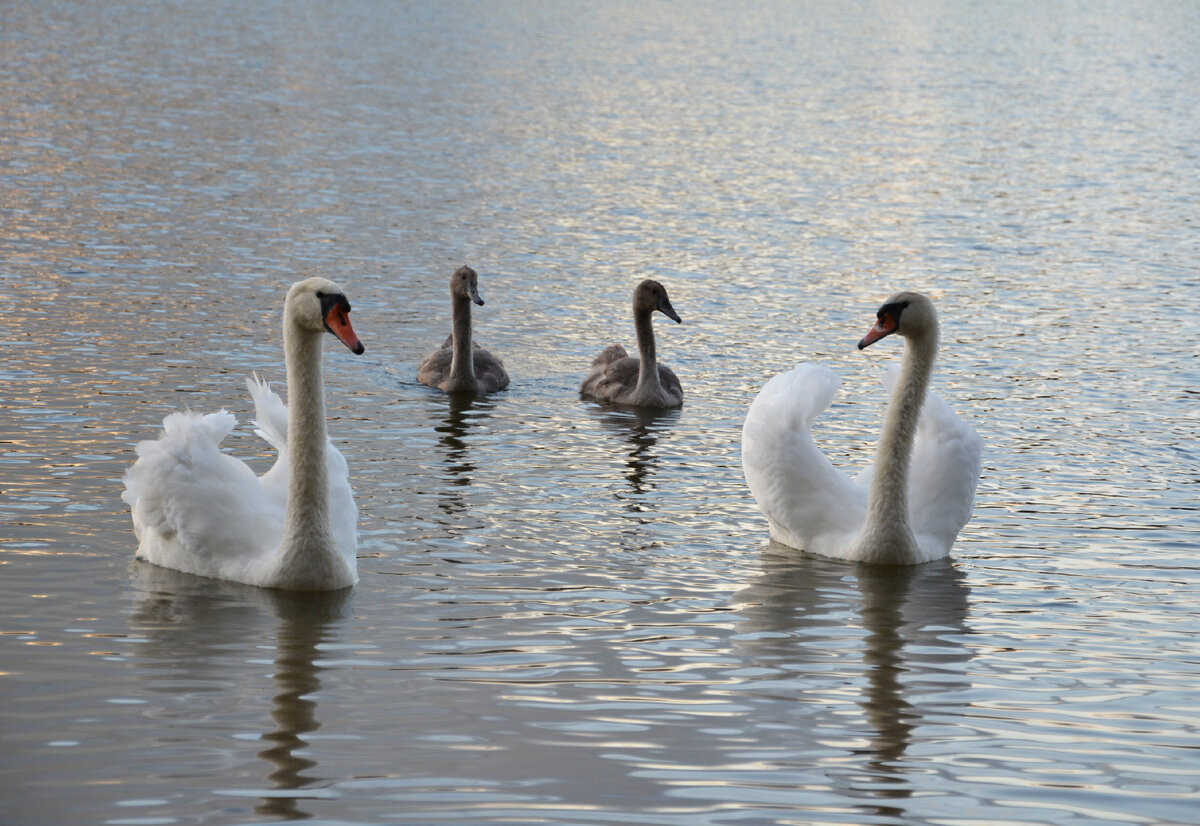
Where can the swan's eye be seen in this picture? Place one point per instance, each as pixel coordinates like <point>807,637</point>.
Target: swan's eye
<point>890,313</point>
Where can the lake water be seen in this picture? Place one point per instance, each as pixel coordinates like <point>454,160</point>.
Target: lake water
<point>571,614</point>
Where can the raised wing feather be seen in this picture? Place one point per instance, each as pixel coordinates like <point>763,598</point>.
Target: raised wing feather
<point>270,413</point>
<point>271,421</point>
<point>808,503</point>
<point>945,468</point>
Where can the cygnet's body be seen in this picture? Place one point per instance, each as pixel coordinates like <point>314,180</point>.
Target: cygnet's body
<point>459,365</point>
<point>637,382</point>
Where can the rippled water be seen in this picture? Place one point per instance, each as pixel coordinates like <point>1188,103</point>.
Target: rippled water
<point>570,614</point>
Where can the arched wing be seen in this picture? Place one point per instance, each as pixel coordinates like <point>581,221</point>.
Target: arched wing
<point>809,503</point>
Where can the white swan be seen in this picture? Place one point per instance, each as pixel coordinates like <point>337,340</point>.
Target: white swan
<point>460,366</point>
<point>637,382</point>
<point>198,510</point>
<point>906,509</point>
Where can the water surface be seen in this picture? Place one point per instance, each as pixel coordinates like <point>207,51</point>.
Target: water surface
<point>570,613</point>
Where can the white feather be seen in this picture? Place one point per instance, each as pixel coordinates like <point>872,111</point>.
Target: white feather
<point>930,459</point>
<point>813,506</point>
<point>201,511</point>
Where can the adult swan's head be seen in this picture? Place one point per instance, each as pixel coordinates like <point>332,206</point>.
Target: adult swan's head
<point>906,314</point>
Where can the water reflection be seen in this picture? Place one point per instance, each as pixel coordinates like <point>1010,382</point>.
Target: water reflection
<point>452,438</point>
<point>464,412</point>
<point>639,428</point>
<point>305,622</point>
<point>797,612</point>
<point>908,613</point>
<point>190,622</point>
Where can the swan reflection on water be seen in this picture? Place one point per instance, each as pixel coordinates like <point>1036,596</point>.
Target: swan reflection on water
<point>189,624</point>
<point>452,435</point>
<point>793,618</point>
<point>464,412</point>
<point>639,428</point>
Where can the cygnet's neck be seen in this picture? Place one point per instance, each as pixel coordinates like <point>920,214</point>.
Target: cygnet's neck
<point>648,381</point>
<point>462,363</point>
<point>887,531</point>
<point>308,547</point>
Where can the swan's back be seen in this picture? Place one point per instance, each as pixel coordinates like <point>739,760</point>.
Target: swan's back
<point>809,504</point>
<point>196,509</point>
<point>947,456</point>
<point>490,374</point>
<point>614,378</point>
<point>610,355</point>
<point>435,368</point>
<point>489,371</point>
<point>612,372</point>
<point>201,511</point>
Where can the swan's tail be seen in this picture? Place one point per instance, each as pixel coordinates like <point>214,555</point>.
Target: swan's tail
<point>185,437</point>
<point>270,413</point>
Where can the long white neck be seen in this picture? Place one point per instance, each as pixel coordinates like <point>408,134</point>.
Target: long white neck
<point>887,529</point>
<point>308,547</point>
<point>648,357</point>
<point>462,364</point>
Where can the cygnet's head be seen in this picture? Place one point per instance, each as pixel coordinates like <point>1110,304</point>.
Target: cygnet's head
<point>650,296</point>
<point>907,314</point>
<point>317,305</point>
<point>465,283</point>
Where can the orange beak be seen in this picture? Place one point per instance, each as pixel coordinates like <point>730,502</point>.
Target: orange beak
<point>338,322</point>
<point>885,326</point>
